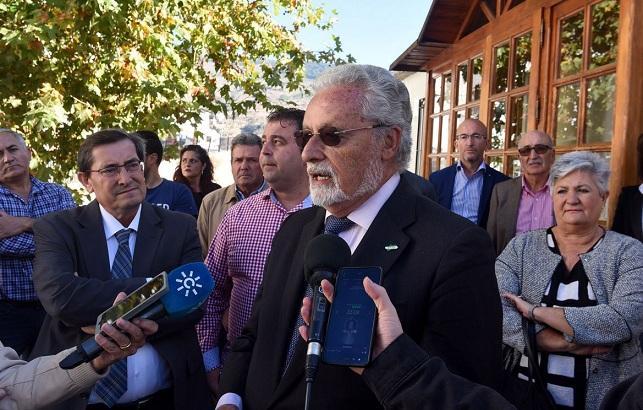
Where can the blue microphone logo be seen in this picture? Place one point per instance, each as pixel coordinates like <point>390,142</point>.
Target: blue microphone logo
<point>189,283</point>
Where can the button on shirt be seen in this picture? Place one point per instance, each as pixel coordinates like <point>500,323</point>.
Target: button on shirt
<point>467,192</point>
<point>147,371</point>
<point>236,257</point>
<point>17,252</point>
<point>535,210</point>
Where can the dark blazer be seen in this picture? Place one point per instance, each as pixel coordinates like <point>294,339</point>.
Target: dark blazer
<point>73,281</point>
<point>444,179</point>
<point>503,212</point>
<point>421,185</point>
<point>439,272</point>
<point>627,218</point>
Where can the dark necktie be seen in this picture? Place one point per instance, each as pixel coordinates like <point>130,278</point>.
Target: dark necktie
<point>114,385</point>
<point>335,226</point>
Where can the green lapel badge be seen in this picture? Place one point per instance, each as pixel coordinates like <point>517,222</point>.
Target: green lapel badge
<point>391,247</point>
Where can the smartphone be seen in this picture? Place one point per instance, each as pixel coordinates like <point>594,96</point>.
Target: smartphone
<point>351,322</point>
<point>135,302</point>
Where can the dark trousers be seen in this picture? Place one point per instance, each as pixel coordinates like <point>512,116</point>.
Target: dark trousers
<point>19,324</point>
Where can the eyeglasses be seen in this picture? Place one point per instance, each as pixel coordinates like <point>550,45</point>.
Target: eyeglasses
<point>328,135</point>
<point>475,137</point>
<point>110,171</point>
<point>539,148</point>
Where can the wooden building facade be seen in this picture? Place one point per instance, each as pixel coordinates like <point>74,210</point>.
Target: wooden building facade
<point>573,68</point>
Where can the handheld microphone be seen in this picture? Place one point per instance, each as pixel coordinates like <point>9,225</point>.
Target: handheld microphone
<point>189,286</point>
<point>323,257</point>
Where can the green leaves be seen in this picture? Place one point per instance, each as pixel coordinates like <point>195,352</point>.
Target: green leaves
<point>72,67</point>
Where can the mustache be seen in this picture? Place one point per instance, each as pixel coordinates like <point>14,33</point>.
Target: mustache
<point>322,168</point>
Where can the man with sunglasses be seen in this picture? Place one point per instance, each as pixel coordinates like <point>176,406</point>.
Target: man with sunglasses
<point>23,199</point>
<point>437,268</point>
<point>86,256</point>
<point>465,187</point>
<point>524,203</point>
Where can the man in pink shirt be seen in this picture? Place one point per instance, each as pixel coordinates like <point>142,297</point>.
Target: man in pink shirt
<point>524,203</point>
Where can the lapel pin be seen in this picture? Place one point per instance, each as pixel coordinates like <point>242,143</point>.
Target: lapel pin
<point>390,247</point>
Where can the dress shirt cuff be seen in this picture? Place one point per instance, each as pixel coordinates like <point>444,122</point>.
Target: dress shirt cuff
<point>211,359</point>
<point>230,398</point>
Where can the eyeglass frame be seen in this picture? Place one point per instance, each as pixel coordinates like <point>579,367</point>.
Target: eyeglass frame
<point>476,136</point>
<point>107,171</point>
<point>535,147</point>
<point>299,134</point>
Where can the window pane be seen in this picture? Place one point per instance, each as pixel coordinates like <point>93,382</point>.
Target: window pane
<point>443,162</point>
<point>513,166</point>
<point>599,118</point>
<point>604,33</point>
<point>444,140</point>
<point>495,163</point>
<point>447,92</point>
<point>437,94</point>
<point>502,68</point>
<point>518,123</point>
<point>435,164</point>
<point>498,123</point>
<point>459,117</point>
<point>567,114</point>
<point>474,112</point>
<point>476,78</point>
<point>462,84</point>
<point>571,44</point>
<point>522,61</point>
<point>435,135</point>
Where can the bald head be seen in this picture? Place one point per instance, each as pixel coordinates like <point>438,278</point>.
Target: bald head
<point>471,142</point>
<point>535,135</point>
<point>537,155</point>
<point>471,126</point>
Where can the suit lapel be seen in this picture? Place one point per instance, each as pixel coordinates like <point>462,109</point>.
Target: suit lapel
<point>453,170</point>
<point>291,302</point>
<point>92,240</point>
<point>147,239</point>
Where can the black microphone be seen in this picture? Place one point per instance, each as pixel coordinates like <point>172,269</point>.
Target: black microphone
<point>324,255</point>
<point>189,286</point>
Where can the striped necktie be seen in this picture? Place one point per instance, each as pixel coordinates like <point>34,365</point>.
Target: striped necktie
<point>114,385</point>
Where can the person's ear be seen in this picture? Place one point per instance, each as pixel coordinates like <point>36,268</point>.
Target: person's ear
<point>392,143</point>
<point>84,179</point>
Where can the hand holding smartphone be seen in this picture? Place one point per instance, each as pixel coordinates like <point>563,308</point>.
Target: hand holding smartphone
<point>351,324</point>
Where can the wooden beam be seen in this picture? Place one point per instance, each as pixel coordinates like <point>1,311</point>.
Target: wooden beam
<point>498,8</point>
<point>467,17</point>
<point>487,11</point>
<point>507,5</point>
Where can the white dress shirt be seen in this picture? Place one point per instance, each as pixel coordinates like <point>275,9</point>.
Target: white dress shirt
<point>147,371</point>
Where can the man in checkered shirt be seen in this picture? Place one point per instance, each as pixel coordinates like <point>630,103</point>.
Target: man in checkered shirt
<point>243,240</point>
<point>23,198</point>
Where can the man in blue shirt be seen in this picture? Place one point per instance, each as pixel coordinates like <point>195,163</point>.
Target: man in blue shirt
<point>465,187</point>
<point>161,192</point>
<point>23,198</point>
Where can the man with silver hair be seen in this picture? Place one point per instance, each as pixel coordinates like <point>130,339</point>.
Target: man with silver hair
<point>437,268</point>
<point>23,198</point>
<point>524,203</point>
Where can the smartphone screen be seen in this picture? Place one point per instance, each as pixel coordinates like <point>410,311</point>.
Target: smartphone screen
<point>136,301</point>
<point>349,335</point>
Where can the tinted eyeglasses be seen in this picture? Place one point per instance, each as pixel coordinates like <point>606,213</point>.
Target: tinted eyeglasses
<point>330,136</point>
<point>539,148</point>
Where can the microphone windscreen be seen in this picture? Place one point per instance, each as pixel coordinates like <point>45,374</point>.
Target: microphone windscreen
<point>326,252</point>
<point>190,285</point>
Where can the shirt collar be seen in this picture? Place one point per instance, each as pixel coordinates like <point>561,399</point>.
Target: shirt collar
<point>240,195</point>
<point>641,188</point>
<point>307,202</point>
<point>525,187</point>
<point>366,213</point>
<point>483,166</point>
<point>112,225</point>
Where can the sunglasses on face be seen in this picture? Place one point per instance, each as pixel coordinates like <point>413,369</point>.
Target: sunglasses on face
<point>539,148</point>
<point>330,136</point>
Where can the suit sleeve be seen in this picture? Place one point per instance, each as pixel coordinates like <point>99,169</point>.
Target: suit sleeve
<point>203,224</point>
<point>620,215</point>
<point>404,376</point>
<point>492,222</point>
<point>74,300</point>
<point>464,317</point>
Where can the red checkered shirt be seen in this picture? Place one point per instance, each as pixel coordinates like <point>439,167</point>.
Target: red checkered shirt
<point>236,260</point>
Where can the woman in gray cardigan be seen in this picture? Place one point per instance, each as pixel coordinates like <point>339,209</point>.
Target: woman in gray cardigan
<point>582,286</point>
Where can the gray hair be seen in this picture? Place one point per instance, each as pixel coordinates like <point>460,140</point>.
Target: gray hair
<point>18,136</point>
<point>385,99</point>
<point>537,132</point>
<point>586,161</point>
<point>245,138</point>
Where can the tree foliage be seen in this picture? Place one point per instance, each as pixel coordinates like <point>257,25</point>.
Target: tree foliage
<point>70,67</point>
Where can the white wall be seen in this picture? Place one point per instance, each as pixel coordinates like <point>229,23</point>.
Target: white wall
<point>417,86</point>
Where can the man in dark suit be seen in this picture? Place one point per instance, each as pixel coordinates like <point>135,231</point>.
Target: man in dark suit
<point>438,267</point>
<point>465,187</point>
<point>628,218</point>
<point>86,256</point>
<point>524,203</point>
